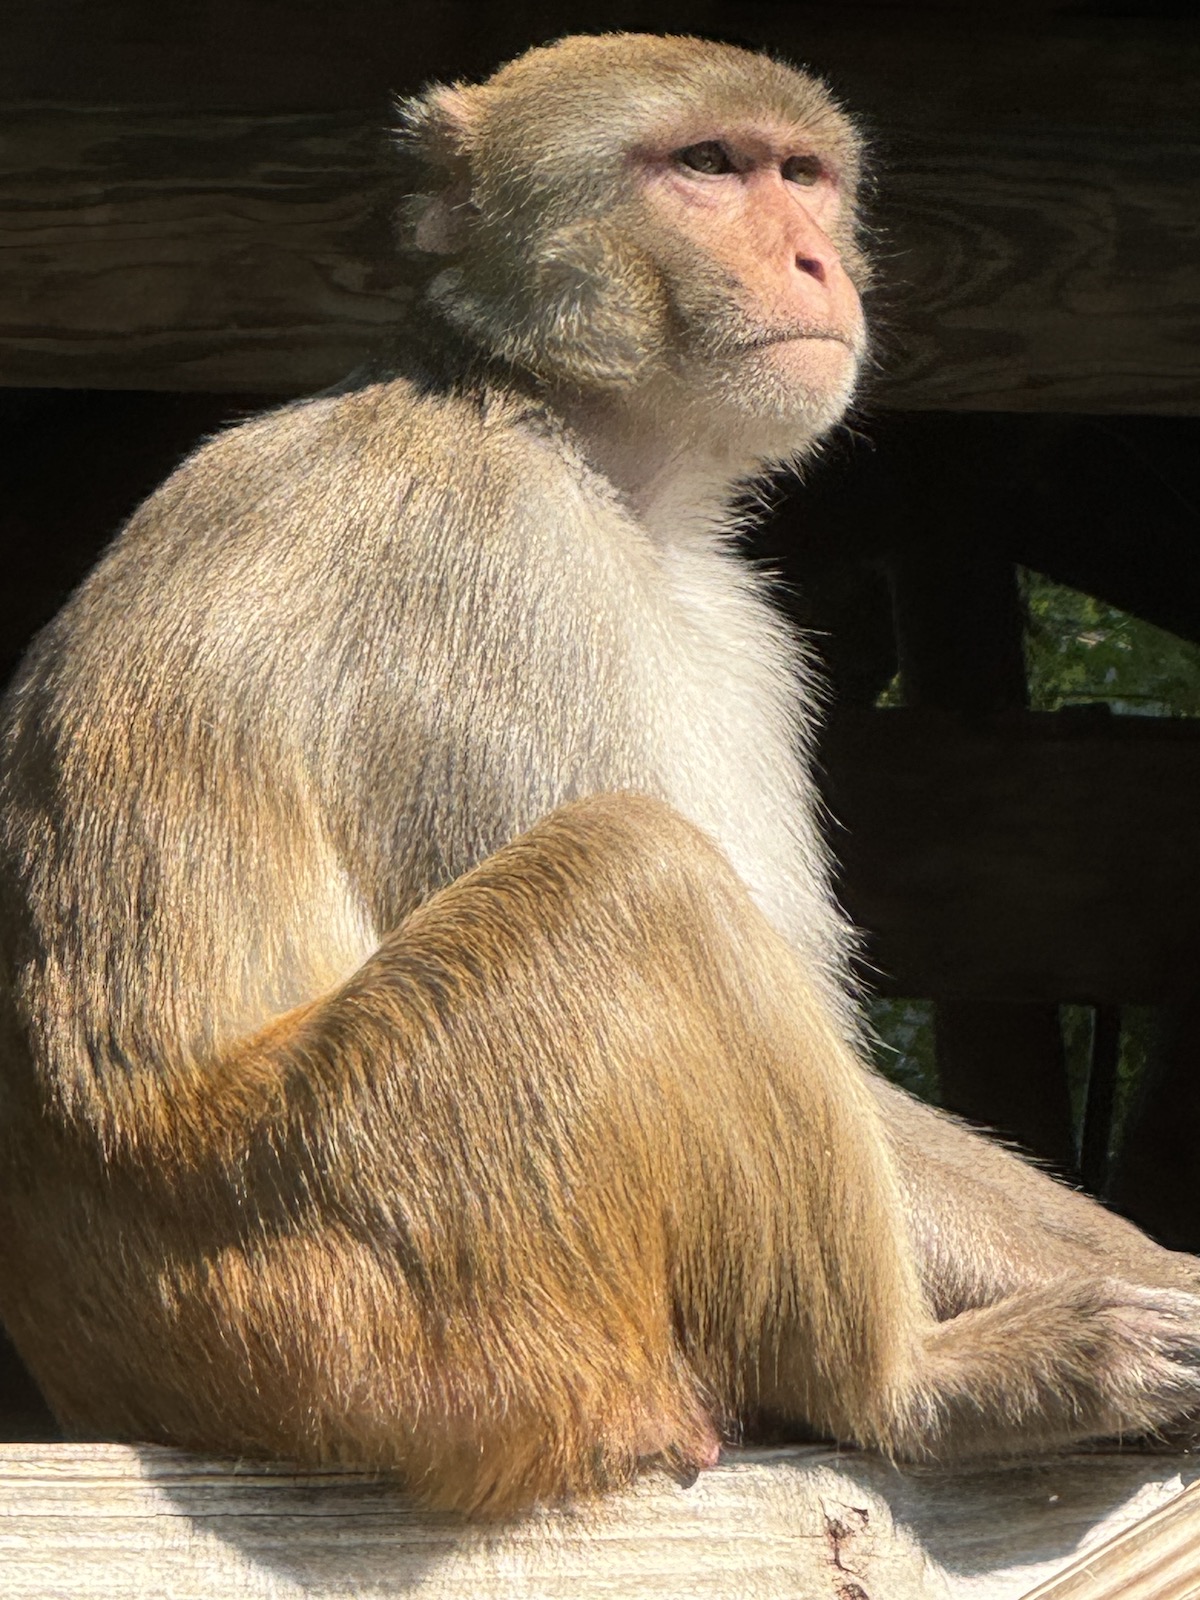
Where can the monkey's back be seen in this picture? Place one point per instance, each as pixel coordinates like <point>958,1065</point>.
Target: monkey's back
<point>348,650</point>
<point>340,656</point>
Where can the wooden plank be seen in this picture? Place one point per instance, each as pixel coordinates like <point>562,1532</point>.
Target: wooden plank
<point>151,250</point>
<point>1037,205</point>
<point>1035,857</point>
<point>1015,283</point>
<point>78,1521</point>
<point>1157,1559</point>
<point>234,251</point>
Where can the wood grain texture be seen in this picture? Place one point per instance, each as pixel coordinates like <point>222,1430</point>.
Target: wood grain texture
<point>1040,269</point>
<point>81,1521</point>
<point>191,253</point>
<point>1157,1559</point>
<point>221,229</point>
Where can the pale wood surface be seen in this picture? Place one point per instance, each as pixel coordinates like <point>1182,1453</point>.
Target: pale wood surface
<point>1157,1559</point>
<point>83,1521</point>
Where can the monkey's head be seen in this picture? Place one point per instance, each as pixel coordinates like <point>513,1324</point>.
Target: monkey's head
<point>636,215</point>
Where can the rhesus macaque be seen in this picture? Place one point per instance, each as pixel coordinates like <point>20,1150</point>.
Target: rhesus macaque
<point>427,1034</point>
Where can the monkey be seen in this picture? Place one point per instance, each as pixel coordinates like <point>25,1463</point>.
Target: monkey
<point>428,1036</point>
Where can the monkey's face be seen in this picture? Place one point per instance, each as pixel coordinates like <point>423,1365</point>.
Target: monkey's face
<point>749,227</point>
<point>664,221</point>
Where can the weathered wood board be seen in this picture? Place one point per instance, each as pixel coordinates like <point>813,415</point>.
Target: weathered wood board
<point>188,207</point>
<point>236,251</point>
<point>1158,1558</point>
<point>82,1521</point>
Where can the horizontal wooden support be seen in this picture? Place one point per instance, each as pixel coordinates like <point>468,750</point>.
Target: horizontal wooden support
<point>78,1521</point>
<point>227,251</point>
<point>212,212</point>
<point>1010,281</point>
<point>232,251</point>
<point>1039,857</point>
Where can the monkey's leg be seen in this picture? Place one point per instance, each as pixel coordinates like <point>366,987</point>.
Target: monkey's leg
<point>500,1212</point>
<point>1059,1323</point>
<point>1071,1359</point>
<point>574,1165</point>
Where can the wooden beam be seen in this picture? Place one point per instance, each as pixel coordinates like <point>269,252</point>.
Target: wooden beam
<point>206,206</point>
<point>1036,857</point>
<point>1154,1181</point>
<point>78,1521</point>
<point>230,251</point>
<point>1011,285</point>
<point>1110,506</point>
<point>234,251</point>
<point>960,629</point>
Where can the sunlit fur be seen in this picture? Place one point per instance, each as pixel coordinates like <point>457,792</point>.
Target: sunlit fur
<point>555,265</point>
<point>425,1028</point>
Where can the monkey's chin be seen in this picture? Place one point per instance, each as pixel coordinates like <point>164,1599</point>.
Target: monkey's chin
<point>784,395</point>
<point>814,361</point>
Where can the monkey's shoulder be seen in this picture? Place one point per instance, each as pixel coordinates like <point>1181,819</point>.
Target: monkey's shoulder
<point>370,473</point>
<point>387,513</point>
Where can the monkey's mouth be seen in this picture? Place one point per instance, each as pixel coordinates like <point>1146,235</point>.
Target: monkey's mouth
<point>764,341</point>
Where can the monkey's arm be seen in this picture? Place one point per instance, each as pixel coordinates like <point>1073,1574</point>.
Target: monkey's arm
<point>985,1222</point>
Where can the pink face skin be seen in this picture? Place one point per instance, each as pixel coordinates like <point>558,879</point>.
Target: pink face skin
<point>760,201</point>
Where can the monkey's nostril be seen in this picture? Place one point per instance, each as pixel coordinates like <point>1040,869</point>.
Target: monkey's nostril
<point>812,266</point>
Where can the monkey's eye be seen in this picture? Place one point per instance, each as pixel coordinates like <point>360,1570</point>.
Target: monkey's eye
<point>709,157</point>
<point>802,169</point>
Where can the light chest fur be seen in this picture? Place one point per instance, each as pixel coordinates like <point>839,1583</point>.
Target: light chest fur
<point>733,715</point>
<point>699,661</point>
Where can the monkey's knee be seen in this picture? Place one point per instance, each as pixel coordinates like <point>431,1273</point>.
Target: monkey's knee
<point>632,844</point>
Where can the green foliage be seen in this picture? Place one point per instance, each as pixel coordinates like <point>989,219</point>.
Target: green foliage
<point>891,695</point>
<point>1139,1038</point>
<point>903,1044</point>
<point>1079,650</point>
<point>1077,1024</point>
<point>1138,1029</point>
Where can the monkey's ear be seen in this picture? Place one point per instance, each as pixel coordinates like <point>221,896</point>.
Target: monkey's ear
<point>440,127</point>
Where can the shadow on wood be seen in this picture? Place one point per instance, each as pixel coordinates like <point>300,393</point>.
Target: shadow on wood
<point>78,1521</point>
